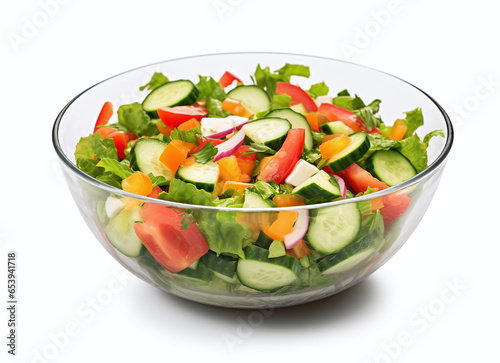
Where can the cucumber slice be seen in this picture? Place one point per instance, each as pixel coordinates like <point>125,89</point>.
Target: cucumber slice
<point>390,167</point>
<point>299,107</point>
<point>320,185</point>
<point>333,228</point>
<point>347,259</point>
<point>204,176</point>
<point>269,131</point>
<point>254,200</point>
<point>263,240</point>
<point>121,234</point>
<point>176,93</point>
<point>336,127</point>
<point>260,272</point>
<point>221,264</point>
<point>297,121</point>
<point>199,273</point>
<point>145,154</point>
<point>254,98</point>
<point>358,146</point>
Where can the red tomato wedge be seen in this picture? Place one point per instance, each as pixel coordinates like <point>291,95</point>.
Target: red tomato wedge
<point>174,116</point>
<point>360,179</point>
<point>348,118</point>
<point>201,144</point>
<point>161,233</point>
<point>120,138</point>
<point>104,115</point>
<point>298,96</point>
<point>285,159</point>
<point>395,205</point>
<point>243,149</point>
<point>227,79</point>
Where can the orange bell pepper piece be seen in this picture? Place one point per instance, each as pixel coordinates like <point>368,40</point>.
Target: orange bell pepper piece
<point>235,107</point>
<point>237,186</point>
<point>175,153</point>
<point>229,169</point>
<point>165,130</point>
<point>398,130</point>
<point>377,203</point>
<point>138,183</point>
<point>333,146</point>
<point>312,120</point>
<point>190,124</point>
<point>288,200</point>
<point>283,225</point>
<point>300,250</point>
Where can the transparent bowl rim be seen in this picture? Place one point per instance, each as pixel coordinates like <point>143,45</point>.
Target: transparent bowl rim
<point>79,173</point>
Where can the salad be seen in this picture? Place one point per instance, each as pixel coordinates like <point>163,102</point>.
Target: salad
<point>269,144</point>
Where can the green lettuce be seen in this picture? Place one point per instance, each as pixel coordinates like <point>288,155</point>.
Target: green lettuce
<point>223,233</point>
<point>187,135</point>
<point>182,192</point>
<point>135,119</point>
<point>266,79</point>
<point>157,80</point>
<point>206,154</point>
<point>415,150</point>
<point>413,120</point>
<point>318,89</point>
<point>115,167</point>
<point>94,145</point>
<point>355,104</point>
<point>213,94</point>
<point>280,101</point>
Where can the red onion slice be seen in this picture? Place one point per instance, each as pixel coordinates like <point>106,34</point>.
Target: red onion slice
<point>228,147</point>
<point>342,185</point>
<point>226,132</point>
<point>299,230</point>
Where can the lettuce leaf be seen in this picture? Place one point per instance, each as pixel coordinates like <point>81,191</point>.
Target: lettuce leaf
<point>415,150</point>
<point>94,145</point>
<point>182,192</point>
<point>280,101</point>
<point>186,136</point>
<point>355,104</point>
<point>318,89</point>
<point>136,120</point>
<point>157,80</point>
<point>213,94</point>
<point>223,233</point>
<point>413,120</point>
<point>266,79</point>
<point>206,154</point>
<point>115,167</point>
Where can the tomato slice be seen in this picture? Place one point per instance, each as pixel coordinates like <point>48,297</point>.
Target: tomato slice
<point>104,115</point>
<point>202,143</point>
<point>172,247</point>
<point>395,205</point>
<point>227,79</point>
<point>298,96</point>
<point>243,149</point>
<point>120,138</point>
<point>360,179</point>
<point>285,159</point>
<point>348,118</point>
<point>174,116</point>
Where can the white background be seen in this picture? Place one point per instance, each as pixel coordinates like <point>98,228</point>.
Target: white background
<point>447,48</point>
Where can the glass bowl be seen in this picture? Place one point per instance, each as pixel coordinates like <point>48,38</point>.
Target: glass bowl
<point>210,286</point>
